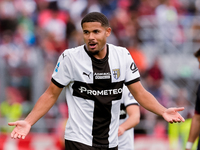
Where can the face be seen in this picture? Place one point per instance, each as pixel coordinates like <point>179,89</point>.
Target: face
<point>95,37</point>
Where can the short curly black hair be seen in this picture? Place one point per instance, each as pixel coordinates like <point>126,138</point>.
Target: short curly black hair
<point>197,53</point>
<point>96,17</point>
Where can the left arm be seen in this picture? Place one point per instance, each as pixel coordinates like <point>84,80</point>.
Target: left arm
<point>133,112</point>
<point>149,102</point>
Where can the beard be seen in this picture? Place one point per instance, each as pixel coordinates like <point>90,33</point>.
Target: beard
<point>94,52</point>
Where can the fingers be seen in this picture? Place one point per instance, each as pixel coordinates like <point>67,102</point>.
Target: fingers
<point>12,123</point>
<point>119,133</point>
<point>179,109</point>
<point>172,121</point>
<point>12,134</point>
<point>176,120</point>
<point>179,120</point>
<point>15,135</point>
<point>180,117</point>
<point>19,136</point>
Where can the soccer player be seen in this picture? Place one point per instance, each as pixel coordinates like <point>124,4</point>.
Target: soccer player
<point>129,118</point>
<point>195,125</point>
<point>93,76</point>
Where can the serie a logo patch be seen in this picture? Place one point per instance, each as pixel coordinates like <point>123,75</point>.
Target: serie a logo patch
<point>57,66</point>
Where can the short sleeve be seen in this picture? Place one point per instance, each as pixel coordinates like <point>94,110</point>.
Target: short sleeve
<point>132,72</point>
<point>62,74</point>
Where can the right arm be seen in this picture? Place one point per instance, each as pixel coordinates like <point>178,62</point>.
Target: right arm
<point>44,103</point>
<point>42,106</point>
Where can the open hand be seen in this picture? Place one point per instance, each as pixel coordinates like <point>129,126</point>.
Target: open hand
<point>171,115</point>
<point>21,129</point>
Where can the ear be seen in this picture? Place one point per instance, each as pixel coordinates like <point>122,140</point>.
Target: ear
<point>108,31</point>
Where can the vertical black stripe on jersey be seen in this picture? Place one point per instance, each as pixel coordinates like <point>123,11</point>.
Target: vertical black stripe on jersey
<point>122,111</point>
<point>102,107</point>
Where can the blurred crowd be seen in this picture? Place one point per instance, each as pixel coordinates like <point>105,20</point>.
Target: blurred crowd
<point>33,33</point>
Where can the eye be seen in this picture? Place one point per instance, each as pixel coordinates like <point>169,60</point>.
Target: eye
<point>96,31</point>
<point>86,32</point>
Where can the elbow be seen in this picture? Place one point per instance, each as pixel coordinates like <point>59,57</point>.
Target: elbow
<point>137,120</point>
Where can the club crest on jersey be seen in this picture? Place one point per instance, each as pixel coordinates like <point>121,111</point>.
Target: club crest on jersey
<point>57,66</point>
<point>116,73</point>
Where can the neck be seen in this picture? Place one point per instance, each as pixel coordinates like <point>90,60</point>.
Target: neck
<point>102,53</point>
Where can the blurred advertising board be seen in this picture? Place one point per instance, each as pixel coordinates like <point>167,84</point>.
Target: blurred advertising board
<point>36,141</point>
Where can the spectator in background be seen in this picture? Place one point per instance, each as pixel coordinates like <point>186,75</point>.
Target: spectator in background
<point>26,26</point>
<point>10,51</point>
<point>195,126</point>
<point>154,78</point>
<point>178,133</point>
<point>11,108</point>
<point>169,33</point>
<point>17,56</point>
<point>8,15</point>
<point>54,22</point>
<point>124,23</point>
<point>147,7</point>
<point>108,7</point>
<point>153,81</point>
<point>92,5</point>
<point>129,118</point>
<point>74,37</point>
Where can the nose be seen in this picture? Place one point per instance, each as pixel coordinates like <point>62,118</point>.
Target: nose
<point>91,36</point>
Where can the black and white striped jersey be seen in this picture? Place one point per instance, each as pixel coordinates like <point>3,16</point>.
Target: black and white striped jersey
<point>93,92</point>
<point>126,141</point>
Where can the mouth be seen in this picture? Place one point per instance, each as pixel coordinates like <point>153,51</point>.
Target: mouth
<point>92,45</point>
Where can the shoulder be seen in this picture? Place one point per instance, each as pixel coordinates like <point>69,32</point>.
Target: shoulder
<point>114,47</point>
<point>118,49</point>
<point>70,54</point>
<point>74,50</point>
